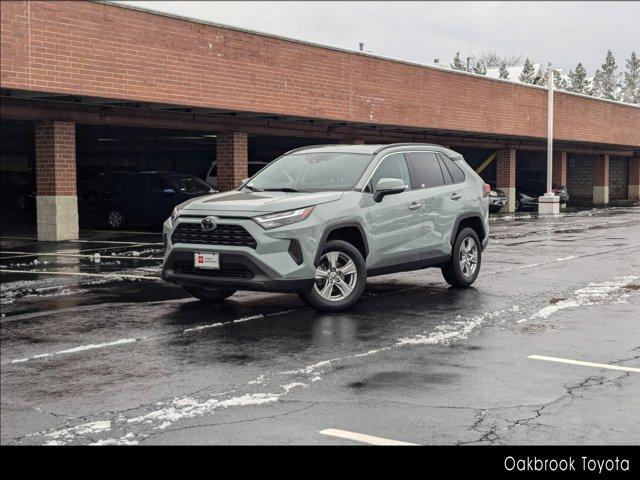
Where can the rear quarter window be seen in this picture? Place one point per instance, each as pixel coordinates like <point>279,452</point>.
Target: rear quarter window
<point>456,172</point>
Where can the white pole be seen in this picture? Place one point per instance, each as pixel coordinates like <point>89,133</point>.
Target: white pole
<point>550,132</point>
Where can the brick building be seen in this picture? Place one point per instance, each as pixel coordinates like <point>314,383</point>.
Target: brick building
<point>75,67</point>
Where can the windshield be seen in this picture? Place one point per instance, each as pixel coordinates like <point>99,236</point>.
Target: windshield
<point>187,184</point>
<point>312,172</point>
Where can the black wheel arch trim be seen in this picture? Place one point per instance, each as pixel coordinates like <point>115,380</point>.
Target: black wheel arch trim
<point>464,216</point>
<point>336,226</point>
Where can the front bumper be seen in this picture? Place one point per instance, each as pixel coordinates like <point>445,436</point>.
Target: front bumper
<point>267,267</point>
<point>497,201</point>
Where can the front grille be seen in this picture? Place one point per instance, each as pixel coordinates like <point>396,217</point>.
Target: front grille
<point>226,271</point>
<point>232,235</point>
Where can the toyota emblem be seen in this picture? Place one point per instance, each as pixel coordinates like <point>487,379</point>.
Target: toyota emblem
<point>208,224</point>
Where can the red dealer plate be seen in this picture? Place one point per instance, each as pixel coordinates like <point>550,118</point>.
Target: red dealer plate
<point>206,260</point>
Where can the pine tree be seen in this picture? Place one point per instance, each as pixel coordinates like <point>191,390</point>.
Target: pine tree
<point>560,83</point>
<point>631,87</point>
<point>578,82</point>
<point>503,72</point>
<point>479,69</point>
<point>457,63</point>
<point>606,83</point>
<point>528,74</point>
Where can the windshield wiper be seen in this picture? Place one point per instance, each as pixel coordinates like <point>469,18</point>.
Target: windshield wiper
<point>282,189</point>
<point>253,189</point>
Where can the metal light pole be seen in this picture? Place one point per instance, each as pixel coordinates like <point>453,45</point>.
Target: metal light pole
<point>549,202</point>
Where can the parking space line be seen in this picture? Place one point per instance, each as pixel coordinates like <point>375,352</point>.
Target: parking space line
<point>584,364</point>
<point>79,274</point>
<point>361,437</point>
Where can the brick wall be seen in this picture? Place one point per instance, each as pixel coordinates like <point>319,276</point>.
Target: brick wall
<point>618,177</point>
<point>115,52</point>
<point>56,158</point>
<point>580,176</point>
<point>231,155</point>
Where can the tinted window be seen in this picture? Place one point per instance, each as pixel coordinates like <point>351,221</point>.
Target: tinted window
<point>156,184</point>
<point>312,172</point>
<point>393,166</point>
<point>454,169</point>
<point>137,183</point>
<point>445,172</point>
<point>188,184</point>
<point>425,170</point>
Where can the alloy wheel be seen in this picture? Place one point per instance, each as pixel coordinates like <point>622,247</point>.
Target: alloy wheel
<point>468,257</point>
<point>115,219</point>
<point>336,276</point>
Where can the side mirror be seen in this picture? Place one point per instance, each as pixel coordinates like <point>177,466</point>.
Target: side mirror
<point>388,186</point>
<point>168,191</point>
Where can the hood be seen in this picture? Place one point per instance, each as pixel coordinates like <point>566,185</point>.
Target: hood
<point>254,203</point>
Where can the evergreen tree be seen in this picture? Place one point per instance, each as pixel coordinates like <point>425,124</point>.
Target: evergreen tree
<point>560,83</point>
<point>606,83</point>
<point>457,63</point>
<point>528,74</point>
<point>578,82</point>
<point>479,69</point>
<point>503,72</point>
<point>631,87</point>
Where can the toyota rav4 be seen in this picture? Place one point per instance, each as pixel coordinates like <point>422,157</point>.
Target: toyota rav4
<point>320,220</point>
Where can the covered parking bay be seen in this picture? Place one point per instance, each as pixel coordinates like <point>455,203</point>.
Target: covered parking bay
<point>79,74</point>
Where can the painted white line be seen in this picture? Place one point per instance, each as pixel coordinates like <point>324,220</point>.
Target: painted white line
<point>79,274</point>
<point>361,437</point>
<point>80,348</point>
<point>584,364</point>
<point>81,255</point>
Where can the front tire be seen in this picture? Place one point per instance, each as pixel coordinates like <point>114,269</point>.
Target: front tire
<point>466,257</point>
<point>115,219</point>
<point>340,278</point>
<point>209,295</point>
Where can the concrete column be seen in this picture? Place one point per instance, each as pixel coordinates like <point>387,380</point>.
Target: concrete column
<point>634,179</point>
<point>56,201</point>
<point>506,176</point>
<point>559,174</point>
<point>232,158</point>
<point>601,180</point>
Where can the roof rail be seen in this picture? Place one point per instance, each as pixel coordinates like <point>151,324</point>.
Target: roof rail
<point>408,144</point>
<point>313,146</point>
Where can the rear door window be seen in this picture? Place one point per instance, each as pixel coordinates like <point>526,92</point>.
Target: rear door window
<point>425,169</point>
<point>456,172</point>
<point>135,183</point>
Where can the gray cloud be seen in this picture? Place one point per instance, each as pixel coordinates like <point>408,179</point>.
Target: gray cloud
<point>562,33</point>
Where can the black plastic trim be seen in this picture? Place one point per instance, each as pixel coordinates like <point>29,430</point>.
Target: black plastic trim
<point>336,226</point>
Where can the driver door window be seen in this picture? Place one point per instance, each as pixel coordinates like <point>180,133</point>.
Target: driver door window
<point>393,166</point>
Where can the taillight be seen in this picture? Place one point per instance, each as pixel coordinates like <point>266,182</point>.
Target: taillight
<point>486,189</point>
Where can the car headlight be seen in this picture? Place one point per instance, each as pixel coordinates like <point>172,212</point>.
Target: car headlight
<point>174,214</point>
<point>280,219</point>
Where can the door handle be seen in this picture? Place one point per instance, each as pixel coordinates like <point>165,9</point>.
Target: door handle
<point>456,196</point>
<point>414,206</point>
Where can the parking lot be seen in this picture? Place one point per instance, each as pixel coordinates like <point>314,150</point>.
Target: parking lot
<point>544,349</point>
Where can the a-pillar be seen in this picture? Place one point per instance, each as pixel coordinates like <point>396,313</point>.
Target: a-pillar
<point>56,201</point>
<point>601,180</point>
<point>634,179</point>
<point>506,176</point>
<point>232,158</point>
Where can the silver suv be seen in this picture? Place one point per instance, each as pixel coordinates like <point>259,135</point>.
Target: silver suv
<point>320,220</point>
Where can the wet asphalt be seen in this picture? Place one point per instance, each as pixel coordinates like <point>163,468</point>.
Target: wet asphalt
<point>100,351</point>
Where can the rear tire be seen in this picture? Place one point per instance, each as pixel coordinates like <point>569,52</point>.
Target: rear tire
<point>466,257</point>
<point>340,280</point>
<point>209,295</point>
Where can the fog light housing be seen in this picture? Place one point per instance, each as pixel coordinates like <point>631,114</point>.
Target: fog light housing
<point>295,251</point>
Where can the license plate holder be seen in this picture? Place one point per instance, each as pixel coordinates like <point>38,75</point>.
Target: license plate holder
<point>208,261</point>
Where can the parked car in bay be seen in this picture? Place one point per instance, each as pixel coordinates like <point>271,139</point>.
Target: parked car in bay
<point>148,197</point>
<point>527,195</point>
<point>18,190</point>
<point>497,198</point>
<point>93,190</point>
<point>212,175</point>
<point>319,220</point>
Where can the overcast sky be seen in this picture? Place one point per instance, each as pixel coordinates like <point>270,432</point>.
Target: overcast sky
<point>562,33</point>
